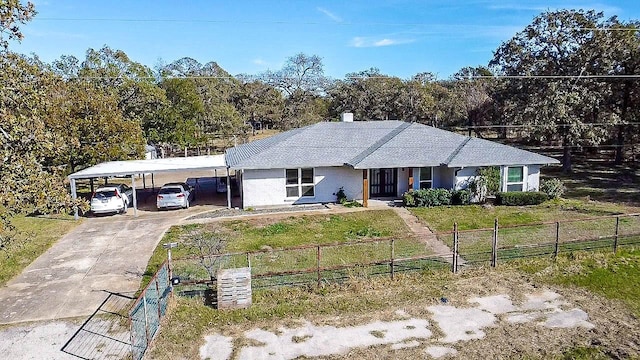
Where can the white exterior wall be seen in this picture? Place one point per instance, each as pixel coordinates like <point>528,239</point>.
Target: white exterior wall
<point>464,177</point>
<point>267,187</point>
<point>403,181</point>
<point>533,178</point>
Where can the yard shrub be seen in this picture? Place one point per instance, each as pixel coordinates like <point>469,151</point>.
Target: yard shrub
<point>554,188</point>
<point>491,177</point>
<point>427,197</point>
<point>519,198</point>
<point>460,197</point>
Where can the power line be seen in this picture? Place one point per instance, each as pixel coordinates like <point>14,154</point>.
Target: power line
<point>445,27</point>
<point>515,126</point>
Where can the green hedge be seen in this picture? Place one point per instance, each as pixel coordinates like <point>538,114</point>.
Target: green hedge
<point>519,198</point>
<point>436,197</point>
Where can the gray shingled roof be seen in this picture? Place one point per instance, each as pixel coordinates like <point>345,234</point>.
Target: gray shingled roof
<point>375,144</point>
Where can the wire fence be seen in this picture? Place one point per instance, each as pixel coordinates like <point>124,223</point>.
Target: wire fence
<point>489,246</point>
<point>148,310</point>
<point>314,265</point>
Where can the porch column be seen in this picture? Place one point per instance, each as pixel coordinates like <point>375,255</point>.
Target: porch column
<point>365,188</point>
<point>410,178</point>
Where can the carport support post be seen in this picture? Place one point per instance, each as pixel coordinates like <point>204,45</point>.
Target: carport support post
<point>228,190</point>
<point>74,196</point>
<point>135,197</point>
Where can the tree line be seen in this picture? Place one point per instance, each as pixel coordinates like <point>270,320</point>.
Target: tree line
<point>567,79</point>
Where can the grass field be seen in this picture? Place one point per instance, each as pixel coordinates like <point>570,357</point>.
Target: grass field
<point>36,235</point>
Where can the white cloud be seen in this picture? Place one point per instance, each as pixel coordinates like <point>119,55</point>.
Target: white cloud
<point>331,15</point>
<point>259,62</point>
<point>361,42</point>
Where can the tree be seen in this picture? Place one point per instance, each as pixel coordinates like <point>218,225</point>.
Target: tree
<point>13,13</point>
<point>91,128</point>
<point>258,101</point>
<point>554,46</point>
<point>301,72</point>
<point>28,184</point>
<point>139,98</point>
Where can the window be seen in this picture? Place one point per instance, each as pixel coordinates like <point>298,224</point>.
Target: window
<point>426,178</point>
<point>515,178</point>
<point>299,182</point>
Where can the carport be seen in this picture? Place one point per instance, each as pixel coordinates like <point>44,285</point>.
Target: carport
<point>153,166</point>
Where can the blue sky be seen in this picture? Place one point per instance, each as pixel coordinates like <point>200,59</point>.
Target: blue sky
<point>400,37</point>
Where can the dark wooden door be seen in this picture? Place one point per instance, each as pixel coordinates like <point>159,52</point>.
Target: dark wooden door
<point>383,182</point>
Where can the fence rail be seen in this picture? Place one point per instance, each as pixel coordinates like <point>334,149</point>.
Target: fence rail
<point>315,264</point>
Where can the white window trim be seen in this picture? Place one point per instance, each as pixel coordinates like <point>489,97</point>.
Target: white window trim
<point>299,185</point>
<point>506,183</point>
<point>420,181</point>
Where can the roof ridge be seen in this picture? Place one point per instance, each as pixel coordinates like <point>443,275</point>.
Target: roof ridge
<point>383,140</point>
<point>457,150</point>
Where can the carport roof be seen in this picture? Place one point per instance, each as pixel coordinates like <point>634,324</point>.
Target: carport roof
<point>132,167</point>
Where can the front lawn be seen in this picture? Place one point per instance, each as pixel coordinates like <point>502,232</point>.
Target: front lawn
<point>35,236</point>
<point>274,238</point>
<point>441,218</point>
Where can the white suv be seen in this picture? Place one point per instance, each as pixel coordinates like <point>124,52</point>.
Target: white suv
<point>111,199</point>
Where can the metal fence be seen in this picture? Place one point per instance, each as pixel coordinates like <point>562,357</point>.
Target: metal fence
<point>490,246</point>
<point>317,264</point>
<point>147,311</point>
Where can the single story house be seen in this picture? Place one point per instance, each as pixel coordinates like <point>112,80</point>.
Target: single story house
<point>370,159</point>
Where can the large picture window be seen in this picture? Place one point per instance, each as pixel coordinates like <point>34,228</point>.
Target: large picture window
<point>299,183</point>
<point>515,178</point>
<point>426,178</point>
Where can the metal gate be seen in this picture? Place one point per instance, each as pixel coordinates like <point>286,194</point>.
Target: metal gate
<point>148,310</point>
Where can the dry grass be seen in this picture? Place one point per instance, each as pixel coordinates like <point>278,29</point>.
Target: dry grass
<point>365,300</point>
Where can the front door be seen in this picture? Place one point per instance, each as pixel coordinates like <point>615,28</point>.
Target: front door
<point>383,182</point>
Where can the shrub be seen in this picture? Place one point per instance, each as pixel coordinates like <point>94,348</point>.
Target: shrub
<point>490,178</point>
<point>554,188</point>
<point>408,198</point>
<point>342,197</point>
<point>460,197</point>
<point>519,198</point>
<point>427,197</point>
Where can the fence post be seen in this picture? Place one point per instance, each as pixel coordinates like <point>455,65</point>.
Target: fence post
<point>392,256</point>
<point>159,296</point>
<point>249,259</point>
<point>146,321</point>
<point>454,259</point>
<point>318,264</point>
<point>557,248</point>
<point>494,245</point>
<point>615,238</point>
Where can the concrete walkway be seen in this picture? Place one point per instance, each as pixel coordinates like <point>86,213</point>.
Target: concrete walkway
<point>424,234</point>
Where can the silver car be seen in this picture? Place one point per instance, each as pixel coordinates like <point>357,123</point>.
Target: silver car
<point>175,195</point>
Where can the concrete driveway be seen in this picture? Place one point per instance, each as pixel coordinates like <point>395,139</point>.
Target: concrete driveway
<point>105,254</point>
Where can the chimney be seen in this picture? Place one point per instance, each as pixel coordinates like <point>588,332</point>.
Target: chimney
<point>346,117</point>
